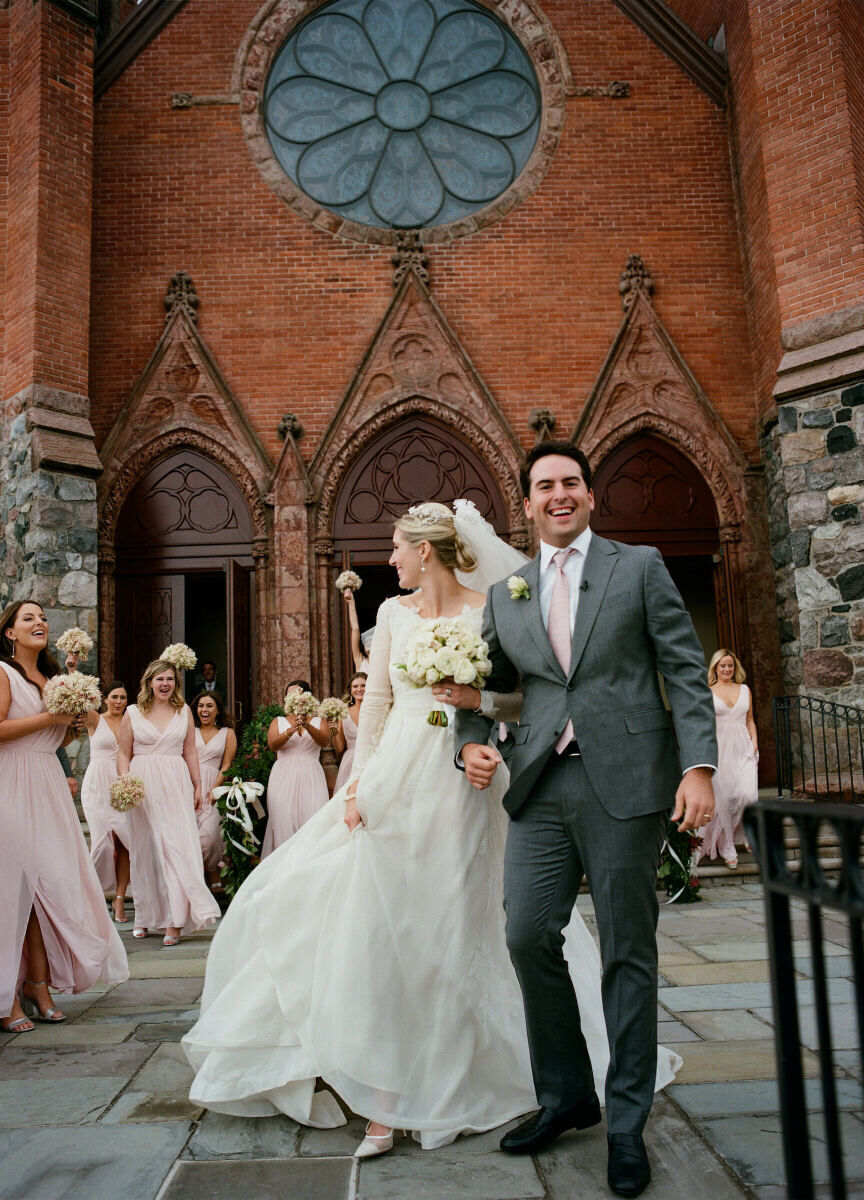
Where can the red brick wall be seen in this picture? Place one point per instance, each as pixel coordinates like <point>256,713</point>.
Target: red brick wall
<point>47,286</point>
<point>703,16</point>
<point>851,14</point>
<point>289,310</point>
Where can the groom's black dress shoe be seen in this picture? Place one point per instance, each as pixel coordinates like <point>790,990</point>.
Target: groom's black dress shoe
<point>629,1169</point>
<point>545,1126</point>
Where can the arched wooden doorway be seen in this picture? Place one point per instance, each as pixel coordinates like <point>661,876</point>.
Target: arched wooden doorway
<point>184,571</point>
<point>647,493</point>
<point>413,460</point>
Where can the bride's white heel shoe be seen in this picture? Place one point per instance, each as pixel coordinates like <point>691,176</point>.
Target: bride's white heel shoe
<point>374,1143</point>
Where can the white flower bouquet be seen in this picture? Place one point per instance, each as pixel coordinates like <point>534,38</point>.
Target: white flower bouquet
<point>349,581</point>
<point>127,791</point>
<point>180,655</point>
<point>445,648</point>
<point>72,695</point>
<point>332,709</point>
<point>75,641</point>
<point>301,704</point>
<point>233,801</point>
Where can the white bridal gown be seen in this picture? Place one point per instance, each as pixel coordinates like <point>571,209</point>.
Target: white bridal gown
<point>376,960</point>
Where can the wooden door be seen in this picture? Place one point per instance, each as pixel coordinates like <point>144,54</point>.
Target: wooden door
<point>150,615</point>
<point>240,620</point>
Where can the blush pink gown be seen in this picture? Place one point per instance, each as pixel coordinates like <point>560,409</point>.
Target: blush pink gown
<point>104,822</point>
<point>164,850</point>
<point>44,865</point>
<point>210,755</point>
<point>297,787</point>
<point>347,761</point>
<point>735,781</point>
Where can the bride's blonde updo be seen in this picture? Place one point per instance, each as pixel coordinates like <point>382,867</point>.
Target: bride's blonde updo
<point>433,523</point>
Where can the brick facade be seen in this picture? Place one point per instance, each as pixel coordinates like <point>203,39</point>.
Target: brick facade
<point>749,218</point>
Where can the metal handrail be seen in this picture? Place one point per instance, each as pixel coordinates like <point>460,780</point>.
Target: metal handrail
<point>807,881</point>
<point>820,748</point>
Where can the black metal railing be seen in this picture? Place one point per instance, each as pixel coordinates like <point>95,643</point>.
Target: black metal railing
<point>806,881</point>
<point>820,748</point>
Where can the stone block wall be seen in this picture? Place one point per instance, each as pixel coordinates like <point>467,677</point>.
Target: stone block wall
<point>813,449</point>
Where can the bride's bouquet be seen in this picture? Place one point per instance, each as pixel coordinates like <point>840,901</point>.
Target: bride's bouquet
<point>445,648</point>
<point>180,656</point>
<point>75,641</point>
<point>301,704</point>
<point>72,695</point>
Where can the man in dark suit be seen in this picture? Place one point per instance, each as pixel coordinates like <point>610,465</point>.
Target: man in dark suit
<point>594,772</point>
<point>208,681</point>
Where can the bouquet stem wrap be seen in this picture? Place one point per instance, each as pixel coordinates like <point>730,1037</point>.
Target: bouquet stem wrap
<point>238,797</point>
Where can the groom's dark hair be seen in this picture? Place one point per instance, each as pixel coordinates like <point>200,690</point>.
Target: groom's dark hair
<point>541,450</point>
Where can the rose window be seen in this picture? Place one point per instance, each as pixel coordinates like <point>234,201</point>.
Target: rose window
<point>402,113</point>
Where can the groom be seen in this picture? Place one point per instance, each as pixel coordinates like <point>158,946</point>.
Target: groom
<point>593,774</point>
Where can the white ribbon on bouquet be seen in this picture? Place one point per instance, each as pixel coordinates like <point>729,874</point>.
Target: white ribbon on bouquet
<point>239,797</point>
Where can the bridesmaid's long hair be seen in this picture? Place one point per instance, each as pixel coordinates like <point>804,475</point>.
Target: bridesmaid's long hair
<point>145,696</point>
<point>46,662</point>
<point>348,698</point>
<point>739,675</point>
<point>223,721</point>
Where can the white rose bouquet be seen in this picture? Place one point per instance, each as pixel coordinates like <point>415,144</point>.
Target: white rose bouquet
<point>127,791</point>
<point>301,704</point>
<point>332,709</point>
<point>349,581</point>
<point>72,695</point>
<point>445,648</point>
<point>181,656</point>
<point>75,641</point>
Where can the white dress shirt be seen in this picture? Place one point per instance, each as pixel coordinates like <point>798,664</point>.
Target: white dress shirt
<point>574,569</point>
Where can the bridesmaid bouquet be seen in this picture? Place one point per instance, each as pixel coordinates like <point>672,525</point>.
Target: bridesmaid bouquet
<point>181,656</point>
<point>445,648</point>
<point>233,802</point>
<point>127,791</point>
<point>332,709</point>
<point>72,695</point>
<point>75,641</point>
<point>349,581</point>
<point>301,704</point>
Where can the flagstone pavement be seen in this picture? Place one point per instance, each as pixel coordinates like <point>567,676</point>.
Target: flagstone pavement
<point>97,1108</point>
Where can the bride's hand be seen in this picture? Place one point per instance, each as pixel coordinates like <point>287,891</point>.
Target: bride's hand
<point>457,694</point>
<point>352,816</point>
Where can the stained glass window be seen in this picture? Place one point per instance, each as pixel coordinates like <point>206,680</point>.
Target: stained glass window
<point>402,113</point>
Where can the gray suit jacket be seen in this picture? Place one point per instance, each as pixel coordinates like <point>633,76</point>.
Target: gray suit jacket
<point>630,624</point>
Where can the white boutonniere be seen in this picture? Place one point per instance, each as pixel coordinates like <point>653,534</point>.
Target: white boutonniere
<point>519,589</point>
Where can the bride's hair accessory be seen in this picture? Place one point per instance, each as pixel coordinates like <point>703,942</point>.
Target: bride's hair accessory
<point>426,514</point>
<point>519,589</point>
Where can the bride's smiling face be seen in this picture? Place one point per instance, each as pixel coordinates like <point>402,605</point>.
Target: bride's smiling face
<point>408,560</point>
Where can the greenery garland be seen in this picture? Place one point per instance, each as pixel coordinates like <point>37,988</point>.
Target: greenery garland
<point>680,881</point>
<point>252,764</point>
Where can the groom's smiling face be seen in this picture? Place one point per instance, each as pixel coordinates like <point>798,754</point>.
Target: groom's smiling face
<point>559,502</point>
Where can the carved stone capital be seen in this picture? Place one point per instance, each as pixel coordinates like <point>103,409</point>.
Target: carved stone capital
<point>324,547</point>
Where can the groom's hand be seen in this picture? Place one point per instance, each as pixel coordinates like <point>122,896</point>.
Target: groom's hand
<point>481,763</point>
<point>694,800</point>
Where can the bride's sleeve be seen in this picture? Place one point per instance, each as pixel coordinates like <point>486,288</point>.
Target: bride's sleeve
<point>378,699</point>
<point>501,706</point>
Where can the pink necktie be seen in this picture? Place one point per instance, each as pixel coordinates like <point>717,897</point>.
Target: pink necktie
<point>559,629</point>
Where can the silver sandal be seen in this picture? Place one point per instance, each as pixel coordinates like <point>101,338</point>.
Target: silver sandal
<point>13,1027</point>
<point>52,1017</point>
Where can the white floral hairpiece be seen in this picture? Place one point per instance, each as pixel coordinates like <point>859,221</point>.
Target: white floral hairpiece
<point>425,514</point>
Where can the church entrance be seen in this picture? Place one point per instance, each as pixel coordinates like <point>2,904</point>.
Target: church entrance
<point>648,494</point>
<point>184,573</point>
<point>414,460</point>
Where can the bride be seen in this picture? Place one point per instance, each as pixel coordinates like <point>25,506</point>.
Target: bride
<point>368,951</point>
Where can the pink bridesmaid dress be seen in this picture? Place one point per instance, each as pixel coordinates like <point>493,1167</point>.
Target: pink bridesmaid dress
<point>210,755</point>
<point>104,822</point>
<point>297,786</point>
<point>45,866</point>
<point>347,762</point>
<point>735,780</point>
<point>164,850</point>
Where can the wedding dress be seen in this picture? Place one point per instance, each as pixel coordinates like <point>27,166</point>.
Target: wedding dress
<point>376,960</point>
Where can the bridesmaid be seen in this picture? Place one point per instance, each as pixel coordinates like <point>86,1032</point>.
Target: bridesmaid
<point>109,829</point>
<point>297,786</point>
<point>54,928</point>
<point>216,744</point>
<point>157,743</point>
<point>345,734</point>
<point>735,781</point>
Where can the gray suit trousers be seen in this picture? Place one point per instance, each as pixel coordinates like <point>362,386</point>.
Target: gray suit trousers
<point>561,832</point>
